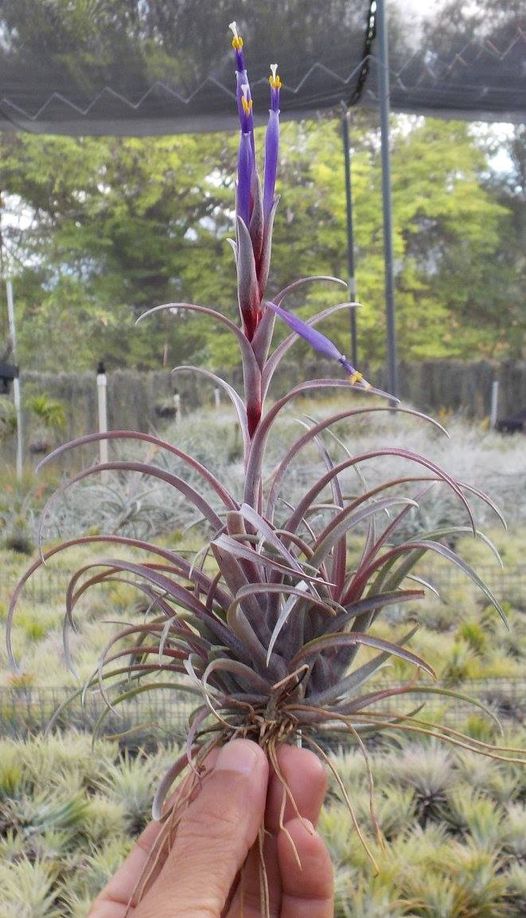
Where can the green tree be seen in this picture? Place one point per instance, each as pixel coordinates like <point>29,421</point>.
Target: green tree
<point>112,227</point>
<point>109,227</point>
<point>498,28</point>
<point>448,233</point>
<point>508,186</point>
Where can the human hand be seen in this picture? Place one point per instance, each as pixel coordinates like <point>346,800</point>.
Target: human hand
<point>217,832</point>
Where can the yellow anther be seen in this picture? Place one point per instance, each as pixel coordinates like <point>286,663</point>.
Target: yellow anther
<point>274,79</point>
<point>356,377</point>
<point>237,41</point>
<point>247,105</point>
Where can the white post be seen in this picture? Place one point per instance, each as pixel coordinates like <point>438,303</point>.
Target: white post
<point>102,387</point>
<point>16,382</point>
<point>494,410</point>
<point>177,407</point>
<point>217,398</point>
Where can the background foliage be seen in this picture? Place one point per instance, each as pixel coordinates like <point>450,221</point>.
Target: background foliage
<point>99,229</point>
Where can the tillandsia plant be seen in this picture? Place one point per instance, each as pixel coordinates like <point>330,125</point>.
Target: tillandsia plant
<point>270,627</point>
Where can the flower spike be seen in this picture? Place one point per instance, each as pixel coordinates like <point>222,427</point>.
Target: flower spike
<point>255,209</point>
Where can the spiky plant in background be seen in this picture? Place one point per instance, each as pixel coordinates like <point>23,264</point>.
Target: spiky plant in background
<point>267,626</point>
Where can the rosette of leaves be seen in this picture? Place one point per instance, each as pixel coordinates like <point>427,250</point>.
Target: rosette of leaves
<point>270,626</point>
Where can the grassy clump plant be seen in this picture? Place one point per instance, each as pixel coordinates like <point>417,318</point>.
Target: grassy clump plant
<point>417,866</point>
<point>68,815</point>
<point>270,626</point>
<point>27,885</point>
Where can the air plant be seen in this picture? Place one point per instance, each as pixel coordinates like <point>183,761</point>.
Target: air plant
<point>270,627</point>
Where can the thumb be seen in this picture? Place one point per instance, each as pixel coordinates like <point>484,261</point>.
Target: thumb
<point>213,838</point>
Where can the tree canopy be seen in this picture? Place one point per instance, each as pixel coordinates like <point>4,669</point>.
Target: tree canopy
<point>96,230</point>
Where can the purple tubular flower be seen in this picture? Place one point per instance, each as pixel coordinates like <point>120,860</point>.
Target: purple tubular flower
<point>245,169</point>
<point>243,95</point>
<point>319,342</point>
<point>271,161</point>
<point>246,164</point>
<point>244,100</point>
<point>271,143</point>
<point>275,86</point>
<point>237,44</point>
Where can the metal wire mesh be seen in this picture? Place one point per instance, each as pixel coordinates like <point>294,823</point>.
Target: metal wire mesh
<point>141,68</point>
<point>29,711</point>
<point>504,582</point>
<point>161,716</point>
<point>49,585</point>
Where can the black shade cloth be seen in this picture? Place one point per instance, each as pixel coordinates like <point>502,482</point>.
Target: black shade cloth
<point>165,66</point>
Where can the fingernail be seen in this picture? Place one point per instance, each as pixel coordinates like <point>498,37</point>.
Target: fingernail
<point>308,826</point>
<point>238,755</point>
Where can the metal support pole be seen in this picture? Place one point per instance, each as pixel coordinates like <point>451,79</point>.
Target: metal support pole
<point>102,404</point>
<point>383,86</point>
<point>16,382</point>
<point>494,409</point>
<point>350,232</point>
